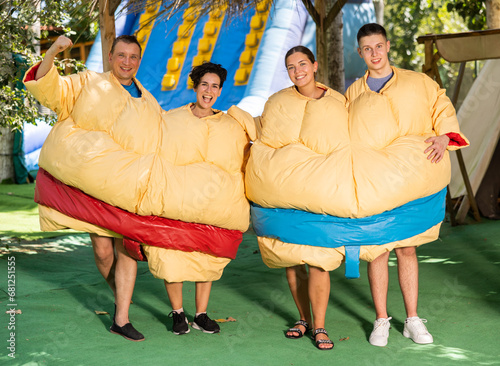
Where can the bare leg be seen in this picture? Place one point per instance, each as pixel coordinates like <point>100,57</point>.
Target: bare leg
<point>319,293</point>
<point>408,278</point>
<point>202,296</point>
<point>378,276</point>
<point>174,291</point>
<point>104,255</point>
<point>125,274</point>
<point>298,282</point>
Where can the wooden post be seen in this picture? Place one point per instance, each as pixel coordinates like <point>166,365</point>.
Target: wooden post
<point>449,206</point>
<point>83,55</point>
<point>461,163</point>
<point>107,28</point>
<point>6,153</point>
<point>429,51</point>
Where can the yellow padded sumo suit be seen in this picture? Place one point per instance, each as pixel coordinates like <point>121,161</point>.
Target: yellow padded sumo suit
<point>314,157</point>
<point>128,153</point>
<point>216,141</point>
<point>300,139</point>
<point>410,108</point>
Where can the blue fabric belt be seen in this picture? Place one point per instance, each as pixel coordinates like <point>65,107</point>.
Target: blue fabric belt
<point>300,227</point>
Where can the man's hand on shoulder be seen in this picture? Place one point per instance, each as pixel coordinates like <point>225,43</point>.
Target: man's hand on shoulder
<point>437,148</point>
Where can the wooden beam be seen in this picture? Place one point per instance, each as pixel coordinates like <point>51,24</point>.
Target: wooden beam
<point>458,84</point>
<point>334,11</point>
<point>427,68</point>
<point>321,42</point>
<point>113,5</point>
<point>468,188</point>
<point>107,28</point>
<point>461,163</point>
<point>433,37</point>
<point>449,207</point>
<point>83,55</point>
<point>312,11</point>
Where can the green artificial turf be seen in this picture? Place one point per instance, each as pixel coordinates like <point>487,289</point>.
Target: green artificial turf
<point>58,289</point>
<point>19,214</point>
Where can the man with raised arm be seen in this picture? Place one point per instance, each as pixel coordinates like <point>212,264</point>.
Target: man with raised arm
<point>99,116</point>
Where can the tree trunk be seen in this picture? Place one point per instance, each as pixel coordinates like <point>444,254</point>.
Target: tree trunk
<point>6,149</point>
<point>36,28</point>
<point>379,11</point>
<point>321,43</point>
<point>493,13</point>
<point>107,28</point>
<point>327,16</point>
<point>335,69</point>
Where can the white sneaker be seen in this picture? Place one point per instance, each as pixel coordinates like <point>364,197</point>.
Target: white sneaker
<point>416,330</point>
<point>380,332</point>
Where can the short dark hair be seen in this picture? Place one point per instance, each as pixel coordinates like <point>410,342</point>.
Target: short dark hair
<point>371,29</point>
<point>126,39</point>
<point>306,51</point>
<point>197,72</point>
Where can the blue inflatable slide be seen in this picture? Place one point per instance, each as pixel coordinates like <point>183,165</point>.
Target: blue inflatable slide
<point>251,47</point>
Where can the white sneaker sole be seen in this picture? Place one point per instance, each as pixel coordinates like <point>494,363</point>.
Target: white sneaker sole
<point>379,344</point>
<point>181,333</point>
<point>407,335</point>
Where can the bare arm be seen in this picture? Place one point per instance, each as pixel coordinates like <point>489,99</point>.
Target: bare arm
<point>59,45</point>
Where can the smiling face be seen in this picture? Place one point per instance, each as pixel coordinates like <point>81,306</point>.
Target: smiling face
<point>124,61</point>
<point>301,70</point>
<point>207,91</point>
<point>374,50</point>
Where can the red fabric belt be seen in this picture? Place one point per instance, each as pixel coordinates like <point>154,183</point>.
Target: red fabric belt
<point>136,229</point>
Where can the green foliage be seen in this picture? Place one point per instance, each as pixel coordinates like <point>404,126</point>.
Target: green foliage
<point>408,20</point>
<point>405,21</point>
<point>17,51</point>
<point>472,11</point>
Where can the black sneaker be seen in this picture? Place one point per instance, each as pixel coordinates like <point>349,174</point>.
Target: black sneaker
<point>180,323</point>
<point>205,324</point>
<point>127,331</point>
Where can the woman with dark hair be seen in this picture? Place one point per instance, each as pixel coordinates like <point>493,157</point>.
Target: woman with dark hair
<point>207,151</point>
<point>298,121</point>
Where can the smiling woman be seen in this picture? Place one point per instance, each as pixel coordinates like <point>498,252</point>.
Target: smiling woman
<point>208,80</point>
<point>286,149</point>
<point>302,67</point>
<point>203,153</point>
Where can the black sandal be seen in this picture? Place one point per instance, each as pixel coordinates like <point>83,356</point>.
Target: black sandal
<point>297,330</point>
<point>322,341</point>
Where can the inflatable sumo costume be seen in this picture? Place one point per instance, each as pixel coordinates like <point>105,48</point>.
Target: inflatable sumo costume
<point>120,166</point>
<point>327,183</point>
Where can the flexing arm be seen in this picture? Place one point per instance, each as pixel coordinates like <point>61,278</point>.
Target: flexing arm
<point>59,45</point>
